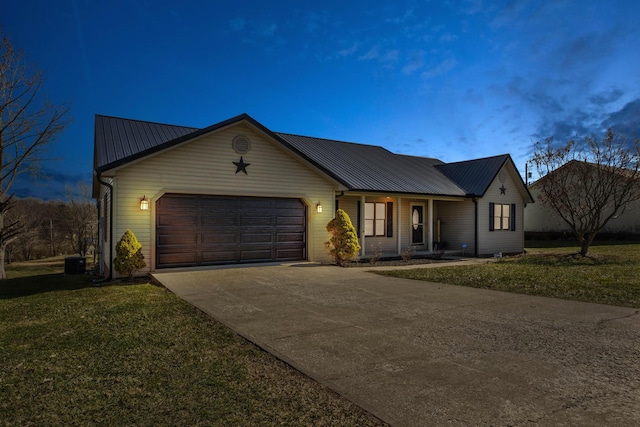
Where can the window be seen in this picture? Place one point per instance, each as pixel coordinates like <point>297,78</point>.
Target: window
<point>502,216</point>
<point>375,219</point>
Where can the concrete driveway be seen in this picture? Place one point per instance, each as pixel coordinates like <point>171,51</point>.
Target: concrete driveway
<point>416,354</point>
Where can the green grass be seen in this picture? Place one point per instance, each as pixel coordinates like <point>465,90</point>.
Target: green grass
<point>133,354</point>
<point>608,276</point>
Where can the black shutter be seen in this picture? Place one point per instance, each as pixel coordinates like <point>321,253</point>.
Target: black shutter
<point>337,204</point>
<point>492,212</point>
<point>513,217</point>
<point>389,219</point>
<point>359,210</point>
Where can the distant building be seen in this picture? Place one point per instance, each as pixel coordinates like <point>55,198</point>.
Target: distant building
<point>542,221</point>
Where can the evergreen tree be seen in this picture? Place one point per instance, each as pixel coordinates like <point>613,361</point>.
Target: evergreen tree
<point>129,258</point>
<point>343,244</point>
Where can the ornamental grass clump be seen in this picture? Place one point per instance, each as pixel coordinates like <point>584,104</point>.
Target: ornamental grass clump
<point>343,244</point>
<point>129,258</point>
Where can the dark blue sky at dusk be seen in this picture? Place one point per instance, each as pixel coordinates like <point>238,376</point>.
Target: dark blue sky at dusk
<point>454,80</point>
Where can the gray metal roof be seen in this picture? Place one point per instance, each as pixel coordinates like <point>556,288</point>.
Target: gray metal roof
<point>359,167</point>
<point>372,168</point>
<point>474,176</point>
<point>117,139</point>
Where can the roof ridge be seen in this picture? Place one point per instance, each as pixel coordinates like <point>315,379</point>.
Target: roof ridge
<point>331,140</point>
<point>145,121</point>
<point>478,159</point>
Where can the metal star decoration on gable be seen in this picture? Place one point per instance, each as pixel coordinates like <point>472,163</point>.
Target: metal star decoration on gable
<point>241,166</point>
<point>502,189</point>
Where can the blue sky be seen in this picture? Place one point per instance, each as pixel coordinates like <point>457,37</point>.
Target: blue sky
<point>454,80</point>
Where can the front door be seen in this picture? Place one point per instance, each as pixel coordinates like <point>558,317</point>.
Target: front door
<point>417,224</point>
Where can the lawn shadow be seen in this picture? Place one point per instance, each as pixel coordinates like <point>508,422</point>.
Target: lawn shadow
<point>567,259</point>
<point>43,283</point>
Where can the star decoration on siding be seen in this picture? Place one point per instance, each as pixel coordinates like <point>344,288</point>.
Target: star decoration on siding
<point>241,166</point>
<point>502,189</point>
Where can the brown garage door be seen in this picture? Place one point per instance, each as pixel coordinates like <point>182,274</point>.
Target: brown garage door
<point>207,230</point>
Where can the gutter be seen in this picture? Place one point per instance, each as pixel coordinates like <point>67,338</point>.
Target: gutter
<point>110,187</point>
<point>475,244</point>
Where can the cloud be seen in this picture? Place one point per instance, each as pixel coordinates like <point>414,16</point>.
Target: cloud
<point>348,51</point>
<point>626,120</point>
<point>408,15</point>
<point>606,97</point>
<point>373,53</point>
<point>267,29</point>
<point>51,184</point>
<point>585,50</point>
<point>416,61</point>
<point>314,21</point>
<point>442,68</point>
<point>447,37</point>
<point>391,56</point>
<point>237,24</point>
<point>473,97</point>
<point>510,13</point>
<point>471,7</point>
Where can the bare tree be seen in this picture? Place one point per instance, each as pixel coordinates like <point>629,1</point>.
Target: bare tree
<point>587,183</point>
<point>31,215</point>
<point>81,219</point>
<point>28,125</point>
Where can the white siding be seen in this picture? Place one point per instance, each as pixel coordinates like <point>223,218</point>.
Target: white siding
<point>456,224</point>
<point>388,245</point>
<point>205,166</point>
<point>505,241</point>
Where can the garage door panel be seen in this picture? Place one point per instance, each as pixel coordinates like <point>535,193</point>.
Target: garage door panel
<point>222,220</point>
<point>256,220</point>
<point>289,220</point>
<point>218,257</point>
<point>206,230</point>
<point>264,255</point>
<point>211,239</point>
<point>289,254</point>
<point>177,239</point>
<point>256,238</point>
<point>290,237</point>
<point>176,201</point>
<point>168,219</point>
<point>174,259</point>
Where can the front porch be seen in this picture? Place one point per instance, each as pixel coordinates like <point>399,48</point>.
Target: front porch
<point>389,226</point>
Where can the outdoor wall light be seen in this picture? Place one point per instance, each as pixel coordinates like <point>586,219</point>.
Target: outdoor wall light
<point>319,207</point>
<point>144,203</point>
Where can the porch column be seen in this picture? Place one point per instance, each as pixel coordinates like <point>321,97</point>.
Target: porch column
<point>430,222</point>
<point>362,227</point>
<point>399,222</point>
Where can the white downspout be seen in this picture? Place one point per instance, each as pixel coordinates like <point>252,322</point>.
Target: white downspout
<point>362,226</point>
<point>399,222</point>
<point>430,223</point>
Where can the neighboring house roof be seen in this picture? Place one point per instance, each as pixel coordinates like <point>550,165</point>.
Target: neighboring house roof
<point>358,167</point>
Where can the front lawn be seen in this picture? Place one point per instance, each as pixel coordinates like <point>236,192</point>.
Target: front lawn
<point>610,275</point>
<point>134,354</point>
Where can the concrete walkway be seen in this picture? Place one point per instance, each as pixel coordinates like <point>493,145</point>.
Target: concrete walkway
<point>416,354</point>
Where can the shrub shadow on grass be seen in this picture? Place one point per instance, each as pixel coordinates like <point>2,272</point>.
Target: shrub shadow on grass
<point>567,259</point>
<point>32,285</point>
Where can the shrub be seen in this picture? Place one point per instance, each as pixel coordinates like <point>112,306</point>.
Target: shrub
<point>376,253</point>
<point>129,258</point>
<point>408,253</point>
<point>343,244</point>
